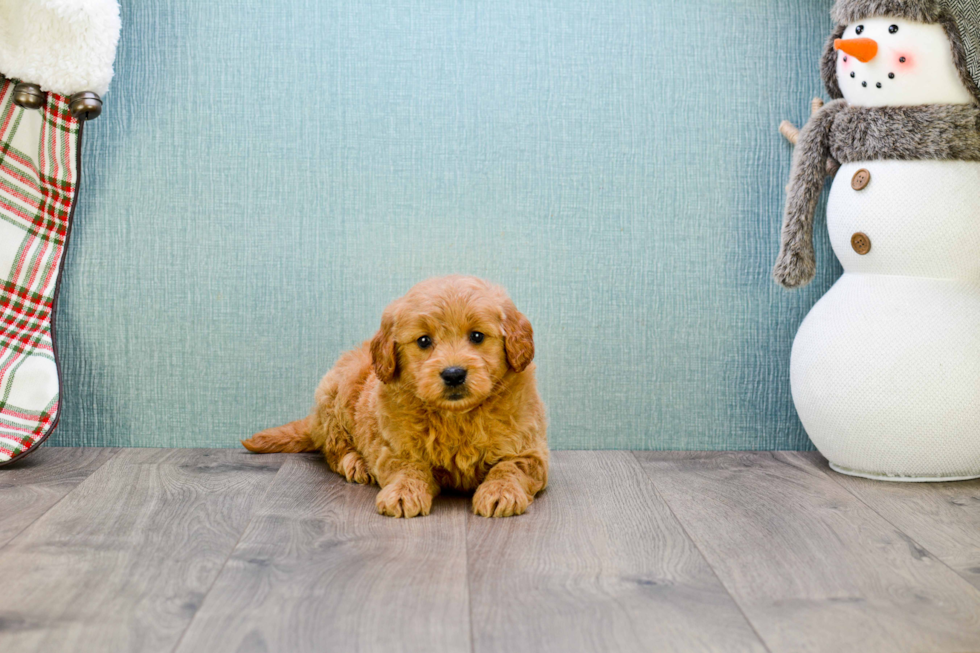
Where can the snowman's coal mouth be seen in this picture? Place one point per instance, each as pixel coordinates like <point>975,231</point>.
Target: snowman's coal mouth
<point>864,84</point>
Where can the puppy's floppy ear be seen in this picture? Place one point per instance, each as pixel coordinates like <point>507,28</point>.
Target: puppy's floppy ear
<point>384,356</point>
<point>518,338</point>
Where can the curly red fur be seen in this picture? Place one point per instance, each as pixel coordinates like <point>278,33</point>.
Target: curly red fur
<point>383,414</point>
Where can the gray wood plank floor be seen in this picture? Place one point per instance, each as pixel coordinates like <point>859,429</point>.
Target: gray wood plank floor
<point>602,566</point>
<point>124,560</point>
<point>318,569</point>
<point>945,518</point>
<point>28,489</point>
<point>219,550</point>
<point>811,565</point>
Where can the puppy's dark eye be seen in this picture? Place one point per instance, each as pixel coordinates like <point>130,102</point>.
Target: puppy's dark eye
<point>893,29</point>
<point>424,342</point>
<point>476,337</point>
<point>859,29</point>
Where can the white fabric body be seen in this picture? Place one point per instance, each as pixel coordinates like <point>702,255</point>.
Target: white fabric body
<point>65,46</point>
<point>927,76</point>
<point>885,369</point>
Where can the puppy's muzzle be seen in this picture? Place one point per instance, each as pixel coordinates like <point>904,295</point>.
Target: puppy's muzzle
<point>453,377</point>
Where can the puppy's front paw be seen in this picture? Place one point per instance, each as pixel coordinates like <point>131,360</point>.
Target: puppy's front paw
<point>500,498</point>
<point>404,498</point>
<point>355,469</point>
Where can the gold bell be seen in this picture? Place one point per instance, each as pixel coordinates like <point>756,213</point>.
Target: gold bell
<point>86,105</point>
<point>28,96</point>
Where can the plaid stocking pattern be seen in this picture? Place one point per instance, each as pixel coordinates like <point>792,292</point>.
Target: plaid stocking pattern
<point>38,179</point>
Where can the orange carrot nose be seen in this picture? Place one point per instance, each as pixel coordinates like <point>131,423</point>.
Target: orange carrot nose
<point>864,49</point>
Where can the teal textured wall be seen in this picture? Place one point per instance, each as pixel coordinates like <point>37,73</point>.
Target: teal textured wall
<point>267,176</point>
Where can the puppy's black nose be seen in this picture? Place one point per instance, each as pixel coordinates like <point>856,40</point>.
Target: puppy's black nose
<point>453,376</point>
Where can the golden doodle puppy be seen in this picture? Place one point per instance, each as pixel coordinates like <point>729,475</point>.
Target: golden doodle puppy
<point>443,396</point>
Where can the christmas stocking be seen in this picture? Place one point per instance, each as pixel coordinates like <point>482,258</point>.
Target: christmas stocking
<point>55,60</point>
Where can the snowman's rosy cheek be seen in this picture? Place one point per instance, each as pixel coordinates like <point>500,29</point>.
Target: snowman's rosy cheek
<point>904,61</point>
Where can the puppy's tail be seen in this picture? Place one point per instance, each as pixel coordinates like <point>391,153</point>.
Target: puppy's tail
<point>288,438</point>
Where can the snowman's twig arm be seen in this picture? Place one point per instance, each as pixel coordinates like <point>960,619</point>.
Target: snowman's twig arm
<point>790,131</point>
<point>796,264</point>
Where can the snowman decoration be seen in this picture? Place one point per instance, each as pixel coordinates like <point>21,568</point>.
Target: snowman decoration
<point>885,369</point>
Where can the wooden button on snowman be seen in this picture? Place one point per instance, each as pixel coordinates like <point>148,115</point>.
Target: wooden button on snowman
<point>885,369</point>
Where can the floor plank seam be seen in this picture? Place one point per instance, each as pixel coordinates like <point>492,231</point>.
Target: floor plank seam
<point>829,473</point>
<point>469,592</point>
<point>258,504</point>
<point>697,547</point>
<point>52,506</point>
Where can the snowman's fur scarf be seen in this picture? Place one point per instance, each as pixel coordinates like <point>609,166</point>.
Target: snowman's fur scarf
<point>796,264</point>
<point>846,12</point>
<point>946,132</point>
<point>65,46</point>
<point>848,134</point>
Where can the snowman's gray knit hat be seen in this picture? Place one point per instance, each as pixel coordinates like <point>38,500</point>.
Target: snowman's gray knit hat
<point>960,19</point>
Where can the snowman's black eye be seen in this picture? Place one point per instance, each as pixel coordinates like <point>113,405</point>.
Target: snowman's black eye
<point>859,29</point>
<point>893,29</point>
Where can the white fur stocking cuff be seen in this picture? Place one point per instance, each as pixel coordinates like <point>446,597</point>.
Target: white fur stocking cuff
<point>65,46</point>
